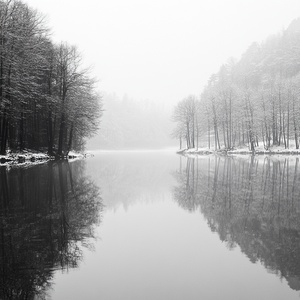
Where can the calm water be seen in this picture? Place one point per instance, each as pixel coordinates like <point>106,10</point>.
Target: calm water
<point>151,225</point>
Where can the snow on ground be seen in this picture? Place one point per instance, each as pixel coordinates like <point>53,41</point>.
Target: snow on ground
<point>243,150</point>
<point>23,157</point>
<point>28,157</point>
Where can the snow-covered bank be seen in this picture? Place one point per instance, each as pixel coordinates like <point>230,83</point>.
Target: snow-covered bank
<point>259,150</point>
<point>23,157</point>
<point>27,157</point>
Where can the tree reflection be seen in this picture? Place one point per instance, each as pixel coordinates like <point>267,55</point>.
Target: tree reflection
<point>46,213</point>
<point>251,202</point>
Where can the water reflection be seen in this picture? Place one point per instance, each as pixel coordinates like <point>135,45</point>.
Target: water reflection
<point>250,202</point>
<point>127,178</point>
<point>45,211</point>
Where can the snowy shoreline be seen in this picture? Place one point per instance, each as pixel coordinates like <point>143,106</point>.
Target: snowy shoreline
<point>28,157</point>
<point>242,151</point>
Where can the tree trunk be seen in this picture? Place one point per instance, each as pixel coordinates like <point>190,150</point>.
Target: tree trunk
<point>70,139</point>
<point>4,135</point>
<point>224,136</point>
<point>50,133</point>
<point>208,134</point>
<point>61,135</point>
<point>288,127</point>
<point>21,132</point>
<point>295,126</point>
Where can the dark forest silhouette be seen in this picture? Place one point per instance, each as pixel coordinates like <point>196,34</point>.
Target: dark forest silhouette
<point>48,100</point>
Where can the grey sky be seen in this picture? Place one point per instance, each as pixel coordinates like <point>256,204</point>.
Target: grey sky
<point>162,50</point>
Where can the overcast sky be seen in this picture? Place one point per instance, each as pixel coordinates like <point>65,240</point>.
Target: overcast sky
<point>162,50</point>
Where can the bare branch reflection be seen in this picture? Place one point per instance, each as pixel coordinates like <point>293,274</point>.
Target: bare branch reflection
<point>47,213</point>
<point>250,202</point>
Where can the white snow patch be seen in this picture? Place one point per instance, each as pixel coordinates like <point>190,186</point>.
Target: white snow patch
<point>244,150</point>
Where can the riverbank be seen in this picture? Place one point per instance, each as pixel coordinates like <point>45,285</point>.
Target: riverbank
<point>34,157</point>
<point>259,151</point>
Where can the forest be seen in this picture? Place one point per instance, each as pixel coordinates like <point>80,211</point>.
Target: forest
<point>48,99</point>
<point>248,102</point>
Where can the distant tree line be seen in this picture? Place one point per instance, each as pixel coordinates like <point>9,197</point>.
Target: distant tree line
<point>47,99</point>
<point>250,101</point>
<point>128,124</point>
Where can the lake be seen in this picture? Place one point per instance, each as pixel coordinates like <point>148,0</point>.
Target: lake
<point>151,225</point>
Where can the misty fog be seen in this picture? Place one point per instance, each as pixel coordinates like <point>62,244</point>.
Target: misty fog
<point>132,124</point>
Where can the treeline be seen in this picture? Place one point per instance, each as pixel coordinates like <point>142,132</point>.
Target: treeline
<point>248,102</point>
<point>47,99</point>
